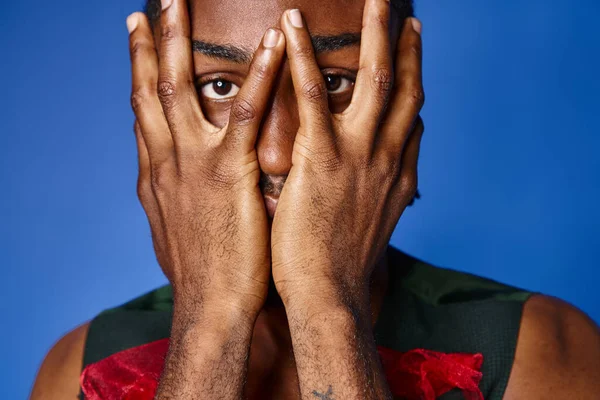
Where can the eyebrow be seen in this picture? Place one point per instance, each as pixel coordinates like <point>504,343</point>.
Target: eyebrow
<point>241,55</point>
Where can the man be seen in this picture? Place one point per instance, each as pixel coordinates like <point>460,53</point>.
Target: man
<point>278,142</point>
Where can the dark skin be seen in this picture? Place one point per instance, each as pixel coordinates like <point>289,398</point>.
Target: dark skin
<point>206,158</point>
<point>202,163</point>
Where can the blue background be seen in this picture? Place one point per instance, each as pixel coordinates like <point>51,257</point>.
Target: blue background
<point>509,173</point>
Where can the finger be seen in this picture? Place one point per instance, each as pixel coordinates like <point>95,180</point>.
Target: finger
<point>144,187</point>
<point>249,105</point>
<point>144,100</point>
<point>410,158</point>
<point>147,199</point>
<point>142,150</point>
<point>176,89</point>
<point>407,97</point>
<point>375,77</point>
<point>309,85</point>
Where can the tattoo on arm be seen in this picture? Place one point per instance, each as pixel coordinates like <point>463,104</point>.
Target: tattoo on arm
<point>324,396</point>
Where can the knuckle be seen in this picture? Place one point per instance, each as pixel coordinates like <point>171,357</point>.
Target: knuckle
<point>418,97</point>
<point>303,51</point>
<point>414,95</point>
<point>408,185</point>
<point>242,111</point>
<point>137,100</point>
<point>139,96</point>
<point>314,89</point>
<point>144,191</point>
<point>160,180</point>
<point>166,92</point>
<point>136,48</point>
<point>389,166</point>
<point>382,80</point>
<point>261,70</point>
<point>167,32</point>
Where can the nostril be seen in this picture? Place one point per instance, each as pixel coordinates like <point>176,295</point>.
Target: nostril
<point>271,185</point>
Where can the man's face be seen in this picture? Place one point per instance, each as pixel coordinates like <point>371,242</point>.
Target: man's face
<point>226,34</point>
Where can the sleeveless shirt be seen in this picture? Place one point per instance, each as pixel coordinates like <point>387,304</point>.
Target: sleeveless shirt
<point>425,307</point>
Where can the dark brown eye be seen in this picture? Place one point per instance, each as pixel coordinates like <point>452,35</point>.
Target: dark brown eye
<point>222,88</point>
<point>337,83</point>
<point>219,89</point>
<point>333,82</point>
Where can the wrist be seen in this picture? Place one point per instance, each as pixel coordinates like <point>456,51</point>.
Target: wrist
<point>220,303</point>
<point>206,344</point>
<point>222,317</point>
<point>338,329</point>
<point>316,307</point>
<point>210,336</point>
<point>325,295</point>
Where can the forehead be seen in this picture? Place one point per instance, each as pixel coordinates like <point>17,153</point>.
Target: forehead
<point>243,22</point>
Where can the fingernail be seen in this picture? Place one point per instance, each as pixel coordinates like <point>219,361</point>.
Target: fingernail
<point>271,38</point>
<point>165,4</point>
<point>132,22</point>
<point>295,18</point>
<point>416,24</point>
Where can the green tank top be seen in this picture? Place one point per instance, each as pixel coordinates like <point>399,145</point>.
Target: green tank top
<point>425,307</point>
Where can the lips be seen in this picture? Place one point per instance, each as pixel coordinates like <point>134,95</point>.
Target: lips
<point>271,205</point>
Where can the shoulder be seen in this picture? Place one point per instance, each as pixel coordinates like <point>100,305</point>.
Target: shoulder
<point>558,353</point>
<point>58,376</point>
<point>534,346</point>
<point>144,319</point>
<point>444,286</point>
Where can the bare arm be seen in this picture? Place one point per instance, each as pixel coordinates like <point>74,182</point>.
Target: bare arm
<point>58,377</point>
<point>335,352</point>
<point>558,353</point>
<point>207,357</point>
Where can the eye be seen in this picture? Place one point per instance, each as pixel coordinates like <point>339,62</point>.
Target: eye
<point>337,83</point>
<point>219,89</point>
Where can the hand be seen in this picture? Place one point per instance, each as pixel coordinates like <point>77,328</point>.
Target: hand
<point>352,173</point>
<point>199,184</point>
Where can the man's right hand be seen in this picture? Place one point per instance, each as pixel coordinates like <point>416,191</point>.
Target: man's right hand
<point>199,186</point>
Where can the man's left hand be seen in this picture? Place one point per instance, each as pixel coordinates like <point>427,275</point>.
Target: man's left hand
<point>353,173</point>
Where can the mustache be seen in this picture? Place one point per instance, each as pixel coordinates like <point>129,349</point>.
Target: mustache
<point>271,185</point>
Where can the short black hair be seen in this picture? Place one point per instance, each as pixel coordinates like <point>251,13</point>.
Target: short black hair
<point>405,9</point>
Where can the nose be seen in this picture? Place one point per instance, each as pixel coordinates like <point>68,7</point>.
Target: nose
<point>278,131</point>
